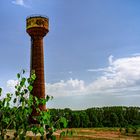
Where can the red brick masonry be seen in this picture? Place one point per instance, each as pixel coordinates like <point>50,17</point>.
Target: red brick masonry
<point>37,62</point>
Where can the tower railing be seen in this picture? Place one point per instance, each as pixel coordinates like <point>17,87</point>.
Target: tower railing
<point>37,15</point>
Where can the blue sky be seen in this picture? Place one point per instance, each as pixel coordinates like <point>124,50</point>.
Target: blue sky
<point>92,52</point>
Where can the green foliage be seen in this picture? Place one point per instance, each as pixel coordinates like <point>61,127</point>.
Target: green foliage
<point>99,117</point>
<point>17,117</point>
<point>63,121</point>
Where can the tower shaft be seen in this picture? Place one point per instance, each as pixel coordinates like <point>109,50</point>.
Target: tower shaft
<point>37,64</point>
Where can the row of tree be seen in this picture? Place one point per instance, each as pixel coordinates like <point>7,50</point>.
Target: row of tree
<point>118,116</point>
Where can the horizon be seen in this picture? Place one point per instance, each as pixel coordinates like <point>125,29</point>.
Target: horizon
<point>95,107</point>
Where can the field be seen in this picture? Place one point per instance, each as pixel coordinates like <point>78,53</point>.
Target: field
<point>89,134</point>
<point>100,134</point>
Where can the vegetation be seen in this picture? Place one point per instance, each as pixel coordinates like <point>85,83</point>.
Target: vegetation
<point>16,109</point>
<point>118,116</point>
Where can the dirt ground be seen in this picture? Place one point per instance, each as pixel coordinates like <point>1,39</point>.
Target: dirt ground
<point>93,134</point>
<point>87,134</point>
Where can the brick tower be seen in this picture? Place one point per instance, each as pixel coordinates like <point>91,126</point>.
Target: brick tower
<point>37,28</point>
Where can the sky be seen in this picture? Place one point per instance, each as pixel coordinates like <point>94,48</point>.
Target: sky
<point>92,50</point>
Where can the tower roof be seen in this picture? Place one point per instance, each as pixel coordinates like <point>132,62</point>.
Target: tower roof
<point>36,15</point>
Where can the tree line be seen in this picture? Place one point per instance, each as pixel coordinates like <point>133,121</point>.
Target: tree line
<point>117,116</point>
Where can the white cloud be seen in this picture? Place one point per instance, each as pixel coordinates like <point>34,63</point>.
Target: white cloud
<point>120,78</point>
<point>11,85</point>
<point>19,2</point>
<point>121,75</point>
<point>66,88</point>
<point>97,70</point>
<point>110,59</point>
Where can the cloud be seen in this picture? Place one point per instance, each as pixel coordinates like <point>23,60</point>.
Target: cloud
<point>120,78</point>
<point>66,88</point>
<point>11,85</point>
<point>121,73</point>
<point>97,70</point>
<point>110,59</point>
<point>20,3</point>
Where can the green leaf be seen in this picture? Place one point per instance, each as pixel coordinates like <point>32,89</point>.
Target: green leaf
<point>8,94</point>
<point>15,100</point>
<point>19,88</point>
<point>33,76</point>
<point>30,88</point>
<point>20,100</point>
<point>23,80</point>
<point>16,86</point>
<point>25,90</point>
<point>36,101</point>
<point>6,120</point>
<point>33,72</point>
<point>41,130</point>
<point>64,121</point>
<point>17,93</point>
<point>51,97</point>
<point>18,75</point>
<point>23,105</point>
<point>23,71</point>
<point>4,101</point>
<point>45,115</point>
<point>29,80</point>
<point>34,130</point>
<point>42,101</point>
<point>47,98</point>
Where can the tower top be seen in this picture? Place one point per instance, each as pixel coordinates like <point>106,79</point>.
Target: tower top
<point>37,23</point>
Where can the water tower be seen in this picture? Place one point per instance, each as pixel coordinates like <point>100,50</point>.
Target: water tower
<point>37,27</point>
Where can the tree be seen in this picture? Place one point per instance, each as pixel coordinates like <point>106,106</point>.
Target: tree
<point>84,119</point>
<point>114,120</point>
<point>75,120</point>
<point>18,117</point>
